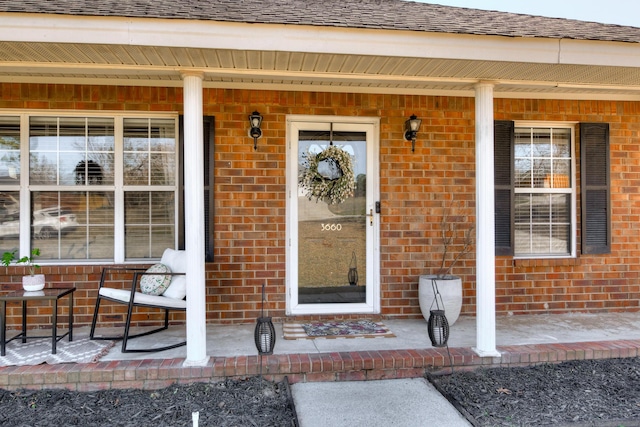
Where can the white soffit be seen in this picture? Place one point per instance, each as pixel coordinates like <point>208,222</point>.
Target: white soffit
<point>87,50</point>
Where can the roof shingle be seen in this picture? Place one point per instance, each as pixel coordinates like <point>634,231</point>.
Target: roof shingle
<point>370,14</point>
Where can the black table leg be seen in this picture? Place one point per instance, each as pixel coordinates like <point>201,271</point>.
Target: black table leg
<point>24,321</point>
<point>54,332</point>
<point>71,317</point>
<point>3,328</point>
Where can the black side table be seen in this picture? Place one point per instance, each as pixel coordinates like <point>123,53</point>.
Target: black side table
<point>47,294</point>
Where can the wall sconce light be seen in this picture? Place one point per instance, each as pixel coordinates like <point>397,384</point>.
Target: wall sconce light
<point>255,120</point>
<point>411,127</point>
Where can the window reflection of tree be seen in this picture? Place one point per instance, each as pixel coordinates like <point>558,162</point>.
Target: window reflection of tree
<point>88,173</point>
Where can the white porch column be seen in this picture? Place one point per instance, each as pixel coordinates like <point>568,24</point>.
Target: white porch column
<point>194,220</point>
<point>485,226</point>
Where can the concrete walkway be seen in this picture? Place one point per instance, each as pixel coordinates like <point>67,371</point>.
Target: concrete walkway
<point>404,403</point>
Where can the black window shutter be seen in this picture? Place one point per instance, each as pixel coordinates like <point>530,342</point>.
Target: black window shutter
<point>596,192</point>
<point>208,141</point>
<point>503,180</point>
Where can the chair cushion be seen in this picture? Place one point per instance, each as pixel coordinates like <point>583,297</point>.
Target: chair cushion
<point>177,262</point>
<point>177,289</point>
<point>155,284</point>
<point>143,299</point>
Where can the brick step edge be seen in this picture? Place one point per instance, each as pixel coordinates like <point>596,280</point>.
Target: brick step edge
<point>339,366</point>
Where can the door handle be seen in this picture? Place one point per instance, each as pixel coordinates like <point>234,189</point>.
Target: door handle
<point>370,215</point>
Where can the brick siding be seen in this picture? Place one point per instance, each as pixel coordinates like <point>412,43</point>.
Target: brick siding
<point>250,199</point>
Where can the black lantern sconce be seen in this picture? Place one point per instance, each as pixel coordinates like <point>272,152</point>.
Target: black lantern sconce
<point>411,128</point>
<point>265,333</point>
<point>255,121</point>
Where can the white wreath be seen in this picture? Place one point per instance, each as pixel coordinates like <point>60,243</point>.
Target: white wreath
<point>318,186</point>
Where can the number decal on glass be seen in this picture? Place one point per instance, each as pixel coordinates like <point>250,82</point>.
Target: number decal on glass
<point>331,227</point>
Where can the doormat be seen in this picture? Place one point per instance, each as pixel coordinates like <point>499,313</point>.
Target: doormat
<point>333,330</point>
<point>37,351</point>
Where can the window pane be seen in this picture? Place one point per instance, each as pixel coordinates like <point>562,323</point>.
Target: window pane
<point>523,173</point>
<point>541,170</point>
<point>73,225</point>
<point>522,141</point>
<point>149,223</point>
<point>43,168</point>
<point>543,224</point>
<point>541,143</point>
<point>96,166</point>
<point>561,208</point>
<point>9,150</point>
<point>43,133</point>
<point>71,151</point>
<point>150,152</point>
<point>43,150</point>
<point>562,143</point>
<point>10,220</point>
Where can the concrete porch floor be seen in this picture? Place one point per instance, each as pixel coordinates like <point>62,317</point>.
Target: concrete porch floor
<point>521,340</point>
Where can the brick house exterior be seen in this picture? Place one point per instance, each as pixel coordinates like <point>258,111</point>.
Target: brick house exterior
<point>250,188</point>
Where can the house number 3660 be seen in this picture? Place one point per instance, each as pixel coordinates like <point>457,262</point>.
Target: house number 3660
<point>331,227</point>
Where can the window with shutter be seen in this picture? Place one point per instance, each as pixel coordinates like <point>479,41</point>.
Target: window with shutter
<point>596,197</point>
<point>534,189</point>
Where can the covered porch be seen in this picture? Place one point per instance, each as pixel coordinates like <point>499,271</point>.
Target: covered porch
<point>543,78</point>
<point>232,353</point>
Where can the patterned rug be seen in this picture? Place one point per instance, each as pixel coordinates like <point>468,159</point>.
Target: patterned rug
<point>332,330</point>
<point>37,351</point>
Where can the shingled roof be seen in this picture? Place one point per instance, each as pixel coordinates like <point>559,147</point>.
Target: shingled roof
<point>369,14</point>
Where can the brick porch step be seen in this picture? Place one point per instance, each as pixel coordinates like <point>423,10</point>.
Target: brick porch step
<point>339,366</point>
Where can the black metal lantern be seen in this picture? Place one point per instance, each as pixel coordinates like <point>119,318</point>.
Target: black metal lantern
<point>265,333</point>
<point>265,336</point>
<point>352,275</point>
<point>438,325</point>
<point>438,328</point>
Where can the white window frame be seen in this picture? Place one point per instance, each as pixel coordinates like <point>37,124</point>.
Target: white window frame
<point>571,126</point>
<point>25,189</point>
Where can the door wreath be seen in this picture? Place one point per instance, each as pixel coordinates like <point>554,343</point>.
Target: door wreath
<point>334,188</point>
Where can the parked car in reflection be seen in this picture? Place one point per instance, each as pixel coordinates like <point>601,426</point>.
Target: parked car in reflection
<point>46,223</point>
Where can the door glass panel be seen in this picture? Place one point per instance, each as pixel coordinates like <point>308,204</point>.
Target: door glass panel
<point>332,243</point>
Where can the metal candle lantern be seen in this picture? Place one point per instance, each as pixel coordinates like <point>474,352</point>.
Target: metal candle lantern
<point>437,324</point>
<point>438,328</point>
<point>352,276</point>
<point>265,333</point>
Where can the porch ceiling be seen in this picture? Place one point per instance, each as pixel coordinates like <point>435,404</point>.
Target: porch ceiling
<point>282,70</point>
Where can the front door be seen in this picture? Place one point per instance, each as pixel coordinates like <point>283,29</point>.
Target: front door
<point>332,215</point>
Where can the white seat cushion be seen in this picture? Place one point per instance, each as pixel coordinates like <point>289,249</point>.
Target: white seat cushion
<point>140,298</point>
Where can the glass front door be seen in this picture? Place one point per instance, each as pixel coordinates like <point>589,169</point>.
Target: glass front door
<point>332,218</point>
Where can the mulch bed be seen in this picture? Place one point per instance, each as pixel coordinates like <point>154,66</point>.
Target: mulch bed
<point>251,402</point>
<point>577,393</point>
